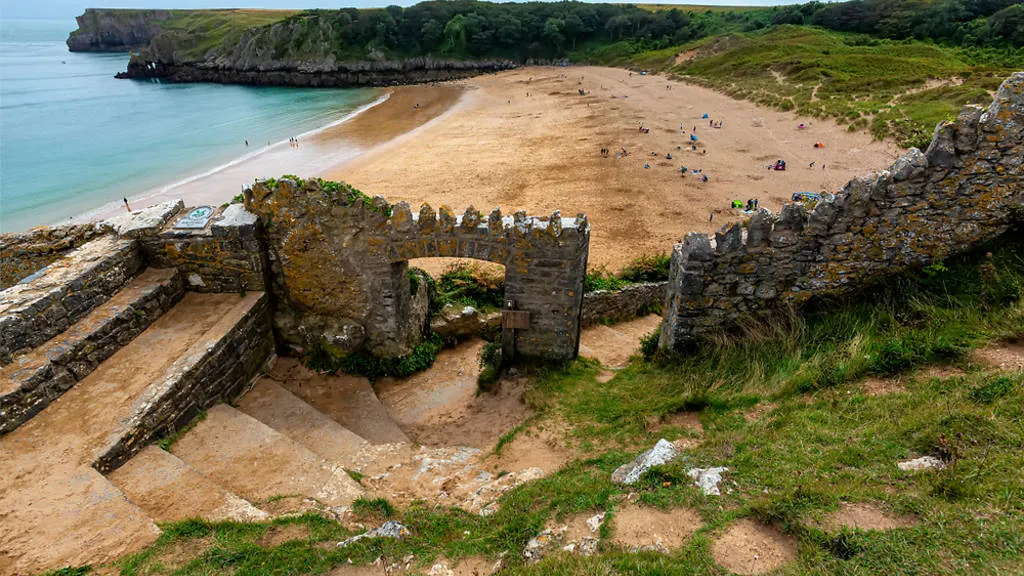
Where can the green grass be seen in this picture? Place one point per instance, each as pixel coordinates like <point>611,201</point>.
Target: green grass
<point>822,440</point>
<point>203,30</point>
<point>860,81</point>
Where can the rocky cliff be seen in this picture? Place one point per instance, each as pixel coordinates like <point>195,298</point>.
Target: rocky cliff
<point>101,30</point>
<point>259,47</point>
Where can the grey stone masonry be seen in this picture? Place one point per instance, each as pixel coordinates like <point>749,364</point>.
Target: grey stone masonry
<point>35,379</point>
<point>965,189</point>
<point>225,255</point>
<point>339,270</point>
<point>215,369</point>
<point>23,254</point>
<point>54,298</point>
<point>623,304</point>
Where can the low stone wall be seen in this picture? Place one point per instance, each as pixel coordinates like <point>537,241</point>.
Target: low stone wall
<point>215,369</point>
<point>50,301</point>
<point>23,254</point>
<point>962,191</point>
<point>604,306</point>
<point>33,381</point>
<point>224,256</point>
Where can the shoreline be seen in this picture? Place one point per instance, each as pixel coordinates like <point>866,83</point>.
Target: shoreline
<point>158,194</point>
<point>320,150</point>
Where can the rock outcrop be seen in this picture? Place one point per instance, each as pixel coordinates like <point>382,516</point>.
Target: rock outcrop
<point>105,30</point>
<point>967,188</point>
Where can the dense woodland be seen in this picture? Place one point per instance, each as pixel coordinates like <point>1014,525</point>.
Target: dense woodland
<point>466,28</point>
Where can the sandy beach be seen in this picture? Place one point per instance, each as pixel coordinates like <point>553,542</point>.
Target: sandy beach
<point>528,140</point>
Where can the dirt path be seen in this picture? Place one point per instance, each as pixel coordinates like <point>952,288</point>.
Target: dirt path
<point>539,153</point>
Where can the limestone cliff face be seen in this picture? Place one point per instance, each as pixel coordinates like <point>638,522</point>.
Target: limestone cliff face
<point>292,51</point>
<point>102,30</point>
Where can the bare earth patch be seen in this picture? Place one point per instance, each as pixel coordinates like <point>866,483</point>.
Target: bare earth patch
<point>1004,355</point>
<point>883,386</point>
<point>864,516</point>
<point>755,412</point>
<point>181,552</point>
<point>642,528</point>
<point>749,547</point>
<point>277,535</point>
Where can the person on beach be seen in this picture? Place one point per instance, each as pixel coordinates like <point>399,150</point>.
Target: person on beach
<point>246,143</point>
<point>126,206</point>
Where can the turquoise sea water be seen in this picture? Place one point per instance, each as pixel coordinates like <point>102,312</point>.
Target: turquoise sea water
<point>72,137</point>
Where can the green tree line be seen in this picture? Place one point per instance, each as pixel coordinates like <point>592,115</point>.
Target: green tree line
<point>551,30</point>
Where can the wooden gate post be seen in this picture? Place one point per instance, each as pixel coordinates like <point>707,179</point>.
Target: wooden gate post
<point>511,320</point>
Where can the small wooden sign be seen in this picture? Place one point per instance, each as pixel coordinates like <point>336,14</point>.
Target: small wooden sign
<point>515,319</point>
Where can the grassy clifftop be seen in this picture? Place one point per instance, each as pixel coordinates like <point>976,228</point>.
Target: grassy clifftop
<point>894,88</point>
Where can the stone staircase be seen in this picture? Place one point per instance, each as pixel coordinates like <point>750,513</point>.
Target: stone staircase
<point>100,356</point>
<point>292,442</point>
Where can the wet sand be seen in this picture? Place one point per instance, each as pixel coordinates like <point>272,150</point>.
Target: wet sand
<point>389,117</point>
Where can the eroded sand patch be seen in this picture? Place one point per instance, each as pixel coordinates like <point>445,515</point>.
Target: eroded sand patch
<point>642,528</point>
<point>749,547</point>
<point>1004,355</point>
<point>865,516</point>
<point>279,534</point>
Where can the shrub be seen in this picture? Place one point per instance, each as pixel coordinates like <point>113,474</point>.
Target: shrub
<point>363,363</point>
<point>469,284</point>
<point>649,345</point>
<point>601,279</point>
<point>647,268</point>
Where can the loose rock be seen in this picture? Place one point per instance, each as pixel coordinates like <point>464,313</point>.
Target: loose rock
<point>707,479</point>
<point>662,453</point>
<point>922,463</point>
<point>389,529</point>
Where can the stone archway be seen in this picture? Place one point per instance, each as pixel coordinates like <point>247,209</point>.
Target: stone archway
<point>339,267</point>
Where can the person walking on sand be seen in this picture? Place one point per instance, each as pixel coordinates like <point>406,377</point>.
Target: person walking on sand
<point>126,206</point>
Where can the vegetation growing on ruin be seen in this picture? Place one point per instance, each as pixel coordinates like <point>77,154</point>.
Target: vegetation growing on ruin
<point>469,284</point>
<point>786,409</point>
<point>644,268</point>
<point>364,363</point>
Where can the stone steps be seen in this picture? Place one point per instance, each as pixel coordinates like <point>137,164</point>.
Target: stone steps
<point>348,400</point>
<point>278,408</point>
<point>56,508</point>
<point>259,463</point>
<point>35,379</point>
<point>169,490</point>
<point>56,297</point>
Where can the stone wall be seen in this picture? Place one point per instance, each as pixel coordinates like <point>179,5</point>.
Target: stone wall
<point>339,272</point>
<point>604,306</point>
<point>23,254</point>
<point>60,294</point>
<point>963,190</point>
<point>215,369</point>
<point>223,256</point>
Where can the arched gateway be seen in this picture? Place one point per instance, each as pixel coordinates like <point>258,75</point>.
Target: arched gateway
<point>340,278</point>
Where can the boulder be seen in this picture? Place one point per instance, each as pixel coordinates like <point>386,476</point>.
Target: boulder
<point>662,453</point>
<point>462,321</point>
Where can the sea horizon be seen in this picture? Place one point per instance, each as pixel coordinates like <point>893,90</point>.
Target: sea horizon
<point>76,139</point>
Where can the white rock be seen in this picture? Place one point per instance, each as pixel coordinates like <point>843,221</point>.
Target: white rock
<point>195,280</point>
<point>146,219</point>
<point>662,453</point>
<point>594,522</point>
<point>922,463</point>
<point>707,479</point>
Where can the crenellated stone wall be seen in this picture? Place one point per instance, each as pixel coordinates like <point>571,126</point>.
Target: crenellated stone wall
<point>339,272</point>
<point>965,189</point>
<point>23,254</point>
